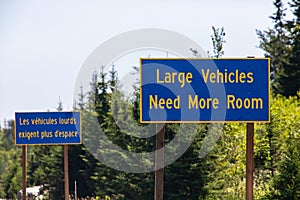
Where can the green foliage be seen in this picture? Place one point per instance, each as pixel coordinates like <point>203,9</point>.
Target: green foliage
<point>286,183</point>
<point>45,165</point>
<point>186,177</point>
<point>283,183</point>
<point>100,96</point>
<point>120,185</point>
<point>10,163</point>
<point>219,175</point>
<point>81,100</point>
<point>282,45</point>
<point>226,171</point>
<point>218,41</point>
<point>7,141</point>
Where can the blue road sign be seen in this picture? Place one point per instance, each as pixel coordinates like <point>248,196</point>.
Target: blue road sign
<point>46,128</point>
<point>204,90</point>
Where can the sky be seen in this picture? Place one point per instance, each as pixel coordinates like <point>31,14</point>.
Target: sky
<point>43,44</point>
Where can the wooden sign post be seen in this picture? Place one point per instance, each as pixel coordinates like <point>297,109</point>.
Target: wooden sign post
<point>159,162</point>
<point>249,161</point>
<point>66,171</point>
<point>24,173</point>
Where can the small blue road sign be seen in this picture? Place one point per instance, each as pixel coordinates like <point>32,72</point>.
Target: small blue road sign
<point>46,128</point>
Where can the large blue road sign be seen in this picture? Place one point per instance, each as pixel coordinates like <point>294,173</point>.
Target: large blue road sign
<point>204,90</point>
<point>45,128</point>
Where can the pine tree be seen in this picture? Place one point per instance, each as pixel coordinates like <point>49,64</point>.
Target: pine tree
<point>10,163</point>
<point>90,127</point>
<point>113,82</point>
<point>186,177</point>
<point>281,44</point>
<point>291,78</point>
<point>81,100</point>
<point>218,41</point>
<point>8,134</point>
<point>60,105</point>
<point>101,97</point>
<point>80,160</point>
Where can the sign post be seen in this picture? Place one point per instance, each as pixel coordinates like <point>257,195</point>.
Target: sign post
<point>249,160</point>
<point>66,171</point>
<point>24,173</point>
<point>47,128</point>
<point>159,162</point>
<point>206,90</point>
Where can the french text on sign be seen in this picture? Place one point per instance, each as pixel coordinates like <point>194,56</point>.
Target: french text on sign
<point>44,128</point>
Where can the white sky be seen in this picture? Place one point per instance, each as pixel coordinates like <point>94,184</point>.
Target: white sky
<point>44,43</point>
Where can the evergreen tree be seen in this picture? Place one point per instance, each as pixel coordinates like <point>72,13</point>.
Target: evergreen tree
<point>10,163</point>
<point>86,162</point>
<point>81,100</point>
<point>79,158</point>
<point>101,97</point>
<point>291,76</point>
<point>8,134</point>
<point>91,95</point>
<point>60,105</point>
<point>186,177</point>
<point>281,44</point>
<point>89,162</point>
<point>113,82</point>
<point>218,41</point>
